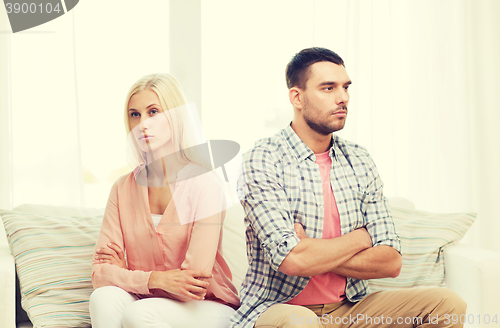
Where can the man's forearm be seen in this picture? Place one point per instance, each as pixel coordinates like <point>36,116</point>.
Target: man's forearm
<point>375,262</point>
<point>312,256</point>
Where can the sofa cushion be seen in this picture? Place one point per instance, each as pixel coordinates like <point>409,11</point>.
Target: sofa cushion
<point>424,236</point>
<point>53,257</point>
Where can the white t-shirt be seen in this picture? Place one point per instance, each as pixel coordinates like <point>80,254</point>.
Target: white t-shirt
<point>156,219</point>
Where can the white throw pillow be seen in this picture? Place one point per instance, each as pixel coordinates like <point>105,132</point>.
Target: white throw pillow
<point>53,259</point>
<point>423,238</point>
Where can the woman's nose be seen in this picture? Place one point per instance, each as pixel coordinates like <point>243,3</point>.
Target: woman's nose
<point>143,127</point>
<point>144,123</point>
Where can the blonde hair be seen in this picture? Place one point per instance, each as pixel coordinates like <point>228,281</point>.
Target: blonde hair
<point>171,96</point>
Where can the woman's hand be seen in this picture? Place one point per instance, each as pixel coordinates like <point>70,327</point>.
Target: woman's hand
<point>112,254</point>
<point>183,285</point>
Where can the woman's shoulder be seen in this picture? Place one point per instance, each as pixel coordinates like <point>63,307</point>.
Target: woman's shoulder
<point>123,180</point>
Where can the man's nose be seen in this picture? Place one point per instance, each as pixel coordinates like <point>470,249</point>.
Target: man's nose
<point>342,96</point>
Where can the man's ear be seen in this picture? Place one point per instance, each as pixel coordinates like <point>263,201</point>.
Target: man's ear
<point>295,96</point>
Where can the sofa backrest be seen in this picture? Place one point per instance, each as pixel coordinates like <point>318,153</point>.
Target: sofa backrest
<point>234,245</point>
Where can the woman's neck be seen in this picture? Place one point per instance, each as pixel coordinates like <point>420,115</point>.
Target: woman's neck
<point>164,170</point>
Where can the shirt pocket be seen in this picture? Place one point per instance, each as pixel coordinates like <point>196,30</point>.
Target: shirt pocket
<point>301,196</point>
<point>351,211</point>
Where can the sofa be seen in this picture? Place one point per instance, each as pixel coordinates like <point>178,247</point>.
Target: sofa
<point>433,256</point>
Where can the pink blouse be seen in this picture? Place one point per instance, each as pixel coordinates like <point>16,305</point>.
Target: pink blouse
<point>194,245</point>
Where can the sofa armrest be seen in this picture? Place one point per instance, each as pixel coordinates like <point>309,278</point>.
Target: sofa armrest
<point>7,284</point>
<point>473,273</point>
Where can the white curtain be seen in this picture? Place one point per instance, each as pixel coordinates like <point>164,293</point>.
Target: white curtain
<point>43,139</point>
<point>424,99</point>
<point>5,114</point>
<point>62,93</point>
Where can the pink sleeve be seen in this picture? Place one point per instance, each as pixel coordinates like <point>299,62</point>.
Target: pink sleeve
<point>207,226</point>
<point>104,274</point>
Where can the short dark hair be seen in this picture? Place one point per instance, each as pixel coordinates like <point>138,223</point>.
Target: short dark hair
<point>298,69</point>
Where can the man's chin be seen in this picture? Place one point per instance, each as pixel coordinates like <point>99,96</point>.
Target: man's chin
<point>338,125</point>
<point>335,128</point>
<point>326,130</point>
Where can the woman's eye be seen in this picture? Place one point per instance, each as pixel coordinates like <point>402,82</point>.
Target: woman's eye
<point>134,114</point>
<point>154,112</point>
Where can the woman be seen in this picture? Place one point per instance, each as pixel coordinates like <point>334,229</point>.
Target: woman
<point>166,216</point>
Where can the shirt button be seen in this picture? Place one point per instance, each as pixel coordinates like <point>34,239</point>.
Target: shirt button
<point>321,206</point>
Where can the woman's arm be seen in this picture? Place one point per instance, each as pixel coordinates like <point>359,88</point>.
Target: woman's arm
<point>106,274</point>
<point>112,254</point>
<point>181,285</point>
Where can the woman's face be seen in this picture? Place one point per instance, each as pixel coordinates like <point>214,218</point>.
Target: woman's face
<point>148,121</point>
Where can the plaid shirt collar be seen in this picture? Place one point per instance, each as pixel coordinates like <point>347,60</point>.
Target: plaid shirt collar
<point>299,149</point>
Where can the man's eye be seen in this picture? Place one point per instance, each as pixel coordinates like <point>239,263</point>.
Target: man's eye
<point>345,88</point>
<point>329,88</point>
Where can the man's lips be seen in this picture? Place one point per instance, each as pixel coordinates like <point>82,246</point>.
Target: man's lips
<point>341,112</point>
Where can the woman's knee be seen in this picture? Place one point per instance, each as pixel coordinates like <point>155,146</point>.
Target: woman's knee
<point>104,295</point>
<point>100,296</point>
<point>139,315</point>
<point>107,305</point>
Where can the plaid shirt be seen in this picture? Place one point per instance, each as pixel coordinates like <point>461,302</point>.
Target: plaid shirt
<point>281,184</point>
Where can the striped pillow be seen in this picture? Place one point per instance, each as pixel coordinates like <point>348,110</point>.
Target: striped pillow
<point>423,238</point>
<point>53,259</point>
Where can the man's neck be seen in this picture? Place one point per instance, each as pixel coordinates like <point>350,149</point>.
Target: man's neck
<point>318,143</point>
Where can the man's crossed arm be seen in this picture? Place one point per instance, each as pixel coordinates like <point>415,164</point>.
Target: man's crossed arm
<point>350,255</point>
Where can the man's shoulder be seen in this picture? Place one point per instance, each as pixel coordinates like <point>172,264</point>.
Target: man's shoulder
<point>272,142</point>
<point>268,147</point>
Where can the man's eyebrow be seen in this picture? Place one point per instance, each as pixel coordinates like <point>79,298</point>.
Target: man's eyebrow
<point>325,83</point>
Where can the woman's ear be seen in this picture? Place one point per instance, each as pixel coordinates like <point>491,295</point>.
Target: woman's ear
<point>295,96</point>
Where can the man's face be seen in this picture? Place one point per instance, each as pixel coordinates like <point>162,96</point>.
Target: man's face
<point>326,97</point>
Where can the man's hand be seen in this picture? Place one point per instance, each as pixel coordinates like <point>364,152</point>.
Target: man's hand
<point>112,254</point>
<point>299,230</point>
<point>184,285</point>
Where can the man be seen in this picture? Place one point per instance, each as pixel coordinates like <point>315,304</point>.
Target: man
<point>318,224</point>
